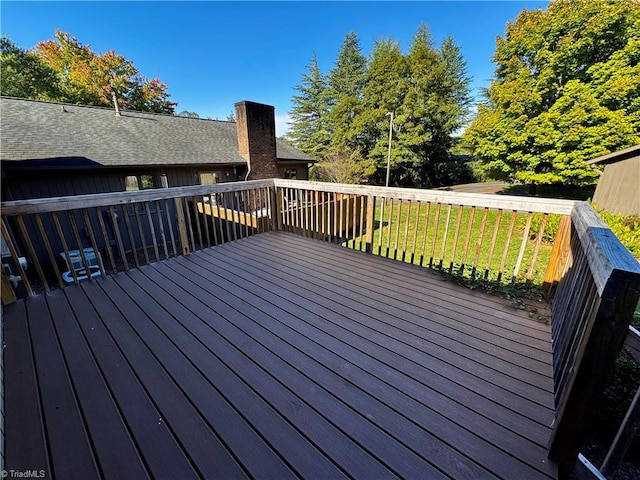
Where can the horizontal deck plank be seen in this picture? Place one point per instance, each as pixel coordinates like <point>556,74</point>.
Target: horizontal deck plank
<point>280,356</point>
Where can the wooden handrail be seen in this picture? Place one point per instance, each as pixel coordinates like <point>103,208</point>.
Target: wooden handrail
<point>54,204</point>
<point>591,312</point>
<point>504,202</point>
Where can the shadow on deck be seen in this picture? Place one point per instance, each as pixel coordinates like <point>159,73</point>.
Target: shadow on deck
<point>276,356</point>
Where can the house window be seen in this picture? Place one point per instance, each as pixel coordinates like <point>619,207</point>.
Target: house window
<point>291,173</point>
<point>139,182</point>
<point>209,178</point>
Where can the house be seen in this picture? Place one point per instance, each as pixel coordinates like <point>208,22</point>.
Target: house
<point>618,189</point>
<point>55,149</point>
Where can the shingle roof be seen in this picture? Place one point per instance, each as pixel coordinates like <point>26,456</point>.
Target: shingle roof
<point>614,157</point>
<point>32,130</point>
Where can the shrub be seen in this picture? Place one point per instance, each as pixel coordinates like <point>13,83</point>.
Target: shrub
<point>626,228</point>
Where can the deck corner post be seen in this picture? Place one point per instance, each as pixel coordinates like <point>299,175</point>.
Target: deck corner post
<point>370,223</point>
<point>593,365</point>
<point>182,226</point>
<point>559,254</point>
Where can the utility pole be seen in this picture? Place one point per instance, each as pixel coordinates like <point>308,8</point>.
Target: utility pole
<point>389,152</point>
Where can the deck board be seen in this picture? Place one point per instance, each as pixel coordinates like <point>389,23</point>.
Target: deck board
<point>272,357</point>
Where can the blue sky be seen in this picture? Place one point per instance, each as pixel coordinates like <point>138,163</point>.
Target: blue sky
<point>213,54</point>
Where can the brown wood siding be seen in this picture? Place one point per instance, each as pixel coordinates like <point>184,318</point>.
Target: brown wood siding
<point>618,189</point>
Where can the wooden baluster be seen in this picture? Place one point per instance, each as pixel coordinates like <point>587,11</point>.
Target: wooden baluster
<point>371,223</point>
<point>47,245</point>
<point>362,221</point>
<point>467,240</point>
<point>423,250</point>
<point>152,229</point>
<point>444,236</point>
<point>32,253</point>
<point>92,239</point>
<point>494,239</point>
<point>196,219</point>
<point>105,236</point>
<point>161,226</point>
<point>389,227</point>
<point>15,257</point>
<point>397,233</point>
<point>170,223</point>
<point>415,232</point>
<point>455,238</point>
<point>143,240</point>
<point>76,234</point>
<point>65,248</point>
<point>187,211</point>
<point>523,245</point>
<point>125,213</point>
<point>436,226</point>
<point>536,249</point>
<point>505,252</point>
<point>205,219</point>
<point>383,204</point>
<point>483,225</point>
<point>406,231</point>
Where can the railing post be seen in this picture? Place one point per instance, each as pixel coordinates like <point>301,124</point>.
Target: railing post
<point>559,254</point>
<point>182,226</point>
<point>370,223</point>
<point>594,362</point>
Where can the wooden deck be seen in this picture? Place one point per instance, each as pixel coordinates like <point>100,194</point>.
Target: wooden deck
<point>276,356</point>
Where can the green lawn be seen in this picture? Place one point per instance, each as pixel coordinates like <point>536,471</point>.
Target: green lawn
<point>401,235</point>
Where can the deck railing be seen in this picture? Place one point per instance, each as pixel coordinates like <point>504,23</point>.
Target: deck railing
<point>563,245</point>
<point>127,229</point>
<point>473,235</point>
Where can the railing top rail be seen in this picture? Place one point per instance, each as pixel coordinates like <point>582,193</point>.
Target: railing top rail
<point>504,202</point>
<point>55,204</point>
<point>605,254</point>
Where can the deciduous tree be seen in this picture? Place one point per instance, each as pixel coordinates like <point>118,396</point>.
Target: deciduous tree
<point>24,75</point>
<point>566,90</point>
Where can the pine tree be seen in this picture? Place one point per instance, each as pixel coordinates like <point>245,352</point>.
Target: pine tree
<point>346,83</point>
<point>310,127</point>
<point>386,86</point>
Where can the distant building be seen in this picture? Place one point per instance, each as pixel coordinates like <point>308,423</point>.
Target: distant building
<point>618,190</point>
<point>55,149</point>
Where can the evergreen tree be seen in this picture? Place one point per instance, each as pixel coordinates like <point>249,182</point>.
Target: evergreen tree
<point>435,105</point>
<point>310,123</point>
<point>346,83</point>
<point>386,86</point>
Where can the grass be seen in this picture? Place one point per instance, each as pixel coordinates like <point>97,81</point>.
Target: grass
<point>402,233</point>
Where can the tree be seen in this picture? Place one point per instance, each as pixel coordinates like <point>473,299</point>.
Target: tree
<point>310,123</point>
<point>346,82</point>
<point>384,92</point>
<point>345,116</point>
<point>435,105</point>
<point>338,167</point>
<point>24,74</point>
<point>188,114</point>
<point>567,89</point>
<point>91,79</point>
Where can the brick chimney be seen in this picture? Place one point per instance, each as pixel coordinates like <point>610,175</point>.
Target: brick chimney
<point>256,127</point>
